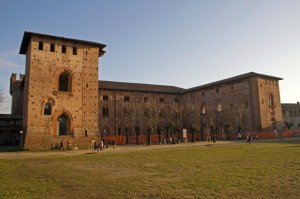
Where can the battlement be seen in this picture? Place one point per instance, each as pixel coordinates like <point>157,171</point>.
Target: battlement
<point>16,83</point>
<point>13,77</point>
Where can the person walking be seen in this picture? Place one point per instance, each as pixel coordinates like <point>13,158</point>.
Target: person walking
<point>239,136</point>
<point>61,145</point>
<point>249,138</point>
<point>69,145</point>
<point>114,143</point>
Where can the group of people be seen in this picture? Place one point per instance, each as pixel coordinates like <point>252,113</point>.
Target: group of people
<point>61,145</point>
<point>99,146</point>
<point>250,137</point>
<point>170,140</point>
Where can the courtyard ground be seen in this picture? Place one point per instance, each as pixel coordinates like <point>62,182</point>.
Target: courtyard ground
<point>226,169</point>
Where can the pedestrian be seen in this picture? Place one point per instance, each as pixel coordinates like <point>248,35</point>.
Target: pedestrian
<point>114,143</point>
<point>170,140</point>
<point>101,145</point>
<point>69,145</point>
<point>95,146</point>
<point>239,136</point>
<point>249,138</point>
<point>61,145</point>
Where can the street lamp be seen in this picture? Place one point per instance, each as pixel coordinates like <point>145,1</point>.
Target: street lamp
<point>21,133</point>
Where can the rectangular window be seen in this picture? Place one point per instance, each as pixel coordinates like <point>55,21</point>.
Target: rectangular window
<point>217,90</point>
<point>52,47</point>
<point>176,100</point>
<point>41,45</point>
<point>105,97</point>
<point>74,50</point>
<point>146,99</point>
<point>105,112</point>
<point>63,49</point>
<point>203,93</point>
<point>126,98</point>
<point>161,100</point>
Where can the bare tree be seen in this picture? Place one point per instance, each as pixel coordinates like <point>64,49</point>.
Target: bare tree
<point>193,118</point>
<point>241,118</point>
<point>288,120</point>
<point>1,96</point>
<point>150,119</point>
<point>136,119</point>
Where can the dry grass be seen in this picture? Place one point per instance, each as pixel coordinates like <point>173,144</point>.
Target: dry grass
<point>263,170</point>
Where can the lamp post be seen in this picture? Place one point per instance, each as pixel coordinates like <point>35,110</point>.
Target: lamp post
<point>21,133</point>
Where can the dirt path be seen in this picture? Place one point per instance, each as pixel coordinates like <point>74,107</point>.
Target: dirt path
<point>118,149</point>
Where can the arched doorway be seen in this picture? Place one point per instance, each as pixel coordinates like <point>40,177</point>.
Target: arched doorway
<point>62,125</point>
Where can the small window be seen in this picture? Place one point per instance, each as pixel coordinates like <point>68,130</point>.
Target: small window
<point>52,47</point>
<point>63,49</point>
<point>203,93</point>
<point>146,99</point>
<point>176,100</point>
<point>231,87</point>
<point>217,90</point>
<point>105,97</point>
<point>161,100</point>
<point>47,109</point>
<point>41,45</point>
<point>126,98</point>
<point>74,50</point>
<point>246,104</point>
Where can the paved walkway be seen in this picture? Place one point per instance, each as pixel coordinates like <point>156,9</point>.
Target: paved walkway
<point>119,149</point>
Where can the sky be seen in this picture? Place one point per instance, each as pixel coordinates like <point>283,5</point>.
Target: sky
<point>183,43</point>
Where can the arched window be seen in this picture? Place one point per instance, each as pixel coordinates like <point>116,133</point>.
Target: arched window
<point>64,82</point>
<point>62,125</point>
<point>203,109</point>
<point>105,111</point>
<point>271,101</point>
<point>47,109</point>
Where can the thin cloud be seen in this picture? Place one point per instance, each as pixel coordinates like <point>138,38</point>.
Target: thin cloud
<point>1,95</point>
<point>10,60</point>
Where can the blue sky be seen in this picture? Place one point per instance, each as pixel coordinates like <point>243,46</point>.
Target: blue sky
<point>168,42</point>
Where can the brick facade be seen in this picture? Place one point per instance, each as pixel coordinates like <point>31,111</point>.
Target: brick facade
<point>63,99</point>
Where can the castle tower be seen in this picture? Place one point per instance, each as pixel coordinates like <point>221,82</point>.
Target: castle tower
<point>60,90</point>
<point>16,91</point>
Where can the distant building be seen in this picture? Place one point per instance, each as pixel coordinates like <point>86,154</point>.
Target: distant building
<point>291,115</point>
<point>60,97</point>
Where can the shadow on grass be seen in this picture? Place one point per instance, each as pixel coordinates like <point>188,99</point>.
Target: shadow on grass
<point>10,148</point>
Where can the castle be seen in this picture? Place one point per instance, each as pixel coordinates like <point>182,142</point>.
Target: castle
<point>60,97</point>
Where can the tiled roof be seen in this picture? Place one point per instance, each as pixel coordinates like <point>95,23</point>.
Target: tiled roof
<point>172,89</point>
<point>232,80</point>
<point>139,87</point>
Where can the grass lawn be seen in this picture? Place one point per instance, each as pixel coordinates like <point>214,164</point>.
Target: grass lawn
<point>235,170</point>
